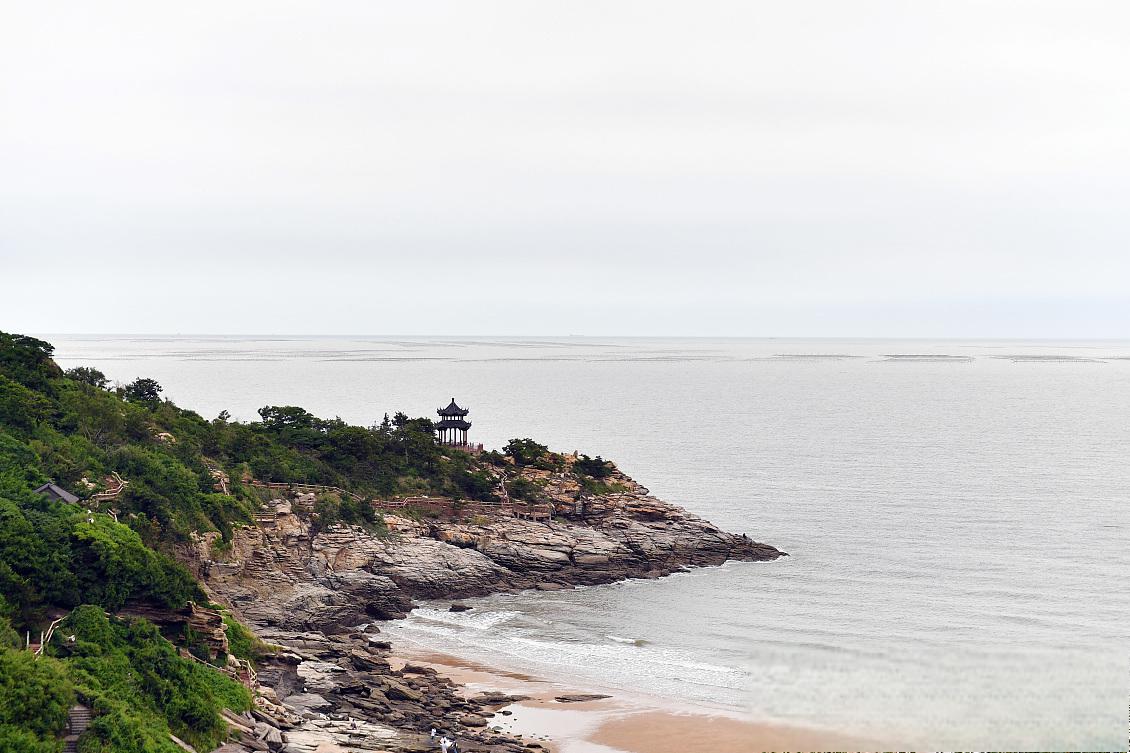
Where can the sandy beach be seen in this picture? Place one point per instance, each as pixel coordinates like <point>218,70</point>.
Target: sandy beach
<point>620,725</point>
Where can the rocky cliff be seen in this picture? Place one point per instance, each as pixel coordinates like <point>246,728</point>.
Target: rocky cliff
<point>287,573</point>
<point>307,588</point>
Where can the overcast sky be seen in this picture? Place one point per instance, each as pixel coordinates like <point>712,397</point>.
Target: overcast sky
<point>812,167</point>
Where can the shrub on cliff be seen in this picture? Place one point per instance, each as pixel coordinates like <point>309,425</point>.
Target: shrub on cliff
<point>331,509</point>
<point>476,485</point>
<point>87,375</point>
<point>114,566</point>
<point>523,489</point>
<point>596,467</point>
<point>21,408</point>
<point>597,488</point>
<point>242,643</point>
<point>177,496</point>
<point>19,460</point>
<point>527,452</point>
<point>34,698</point>
<point>141,689</point>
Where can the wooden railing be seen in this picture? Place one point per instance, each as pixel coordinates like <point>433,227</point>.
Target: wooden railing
<point>387,504</point>
<point>44,638</point>
<point>220,478</point>
<point>306,488</point>
<point>535,511</point>
<point>251,679</point>
<point>112,492</point>
<point>442,502</point>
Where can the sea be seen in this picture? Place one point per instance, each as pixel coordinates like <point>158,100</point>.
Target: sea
<point>956,515</point>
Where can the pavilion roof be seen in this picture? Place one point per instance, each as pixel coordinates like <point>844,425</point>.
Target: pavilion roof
<point>453,410</point>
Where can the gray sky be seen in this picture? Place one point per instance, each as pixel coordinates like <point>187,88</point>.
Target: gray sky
<point>812,167</point>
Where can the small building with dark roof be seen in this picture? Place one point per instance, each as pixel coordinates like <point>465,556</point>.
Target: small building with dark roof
<point>453,425</point>
<point>57,492</point>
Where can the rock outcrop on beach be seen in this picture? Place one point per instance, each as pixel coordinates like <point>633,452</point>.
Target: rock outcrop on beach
<point>341,693</point>
<point>286,573</point>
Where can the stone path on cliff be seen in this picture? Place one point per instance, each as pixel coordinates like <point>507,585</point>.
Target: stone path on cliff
<point>78,719</point>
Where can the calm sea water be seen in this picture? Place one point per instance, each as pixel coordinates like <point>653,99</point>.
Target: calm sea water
<point>956,514</point>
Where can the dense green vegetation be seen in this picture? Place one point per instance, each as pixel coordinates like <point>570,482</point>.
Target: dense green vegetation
<point>597,467</point>
<point>140,688</point>
<point>56,556</point>
<point>70,427</point>
<point>527,452</point>
<point>242,643</point>
<point>523,489</point>
<point>75,429</point>
<point>34,698</point>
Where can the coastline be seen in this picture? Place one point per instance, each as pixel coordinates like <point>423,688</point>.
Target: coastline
<point>615,723</point>
<point>312,589</point>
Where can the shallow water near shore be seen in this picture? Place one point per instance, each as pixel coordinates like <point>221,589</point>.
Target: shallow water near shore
<point>956,515</point>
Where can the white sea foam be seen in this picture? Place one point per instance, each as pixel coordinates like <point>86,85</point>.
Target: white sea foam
<point>471,620</point>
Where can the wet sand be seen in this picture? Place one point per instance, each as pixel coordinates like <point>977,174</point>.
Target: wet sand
<point>659,732</point>
<point>621,725</point>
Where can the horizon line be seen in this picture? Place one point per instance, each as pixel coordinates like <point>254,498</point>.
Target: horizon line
<point>578,336</point>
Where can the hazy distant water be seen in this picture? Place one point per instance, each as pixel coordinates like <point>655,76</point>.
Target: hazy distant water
<point>956,514</point>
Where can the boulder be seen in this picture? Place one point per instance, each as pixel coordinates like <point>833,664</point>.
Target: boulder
<point>303,702</point>
<point>400,691</point>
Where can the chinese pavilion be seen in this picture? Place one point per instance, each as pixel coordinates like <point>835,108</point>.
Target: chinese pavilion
<point>453,425</point>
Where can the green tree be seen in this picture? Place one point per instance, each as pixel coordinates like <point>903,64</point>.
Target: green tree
<point>28,361</point>
<point>21,408</point>
<point>98,416</point>
<point>113,566</point>
<point>596,467</point>
<point>525,451</point>
<point>143,390</point>
<point>87,375</point>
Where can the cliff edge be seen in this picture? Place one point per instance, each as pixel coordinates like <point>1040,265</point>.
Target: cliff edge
<point>288,572</point>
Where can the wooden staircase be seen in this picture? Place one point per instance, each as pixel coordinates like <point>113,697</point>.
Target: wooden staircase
<point>115,485</point>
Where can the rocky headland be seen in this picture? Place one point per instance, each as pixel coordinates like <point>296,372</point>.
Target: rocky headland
<point>319,592</point>
<point>309,531</point>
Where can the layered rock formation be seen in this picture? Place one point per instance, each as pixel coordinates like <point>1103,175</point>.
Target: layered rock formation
<point>286,573</point>
<point>307,590</point>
